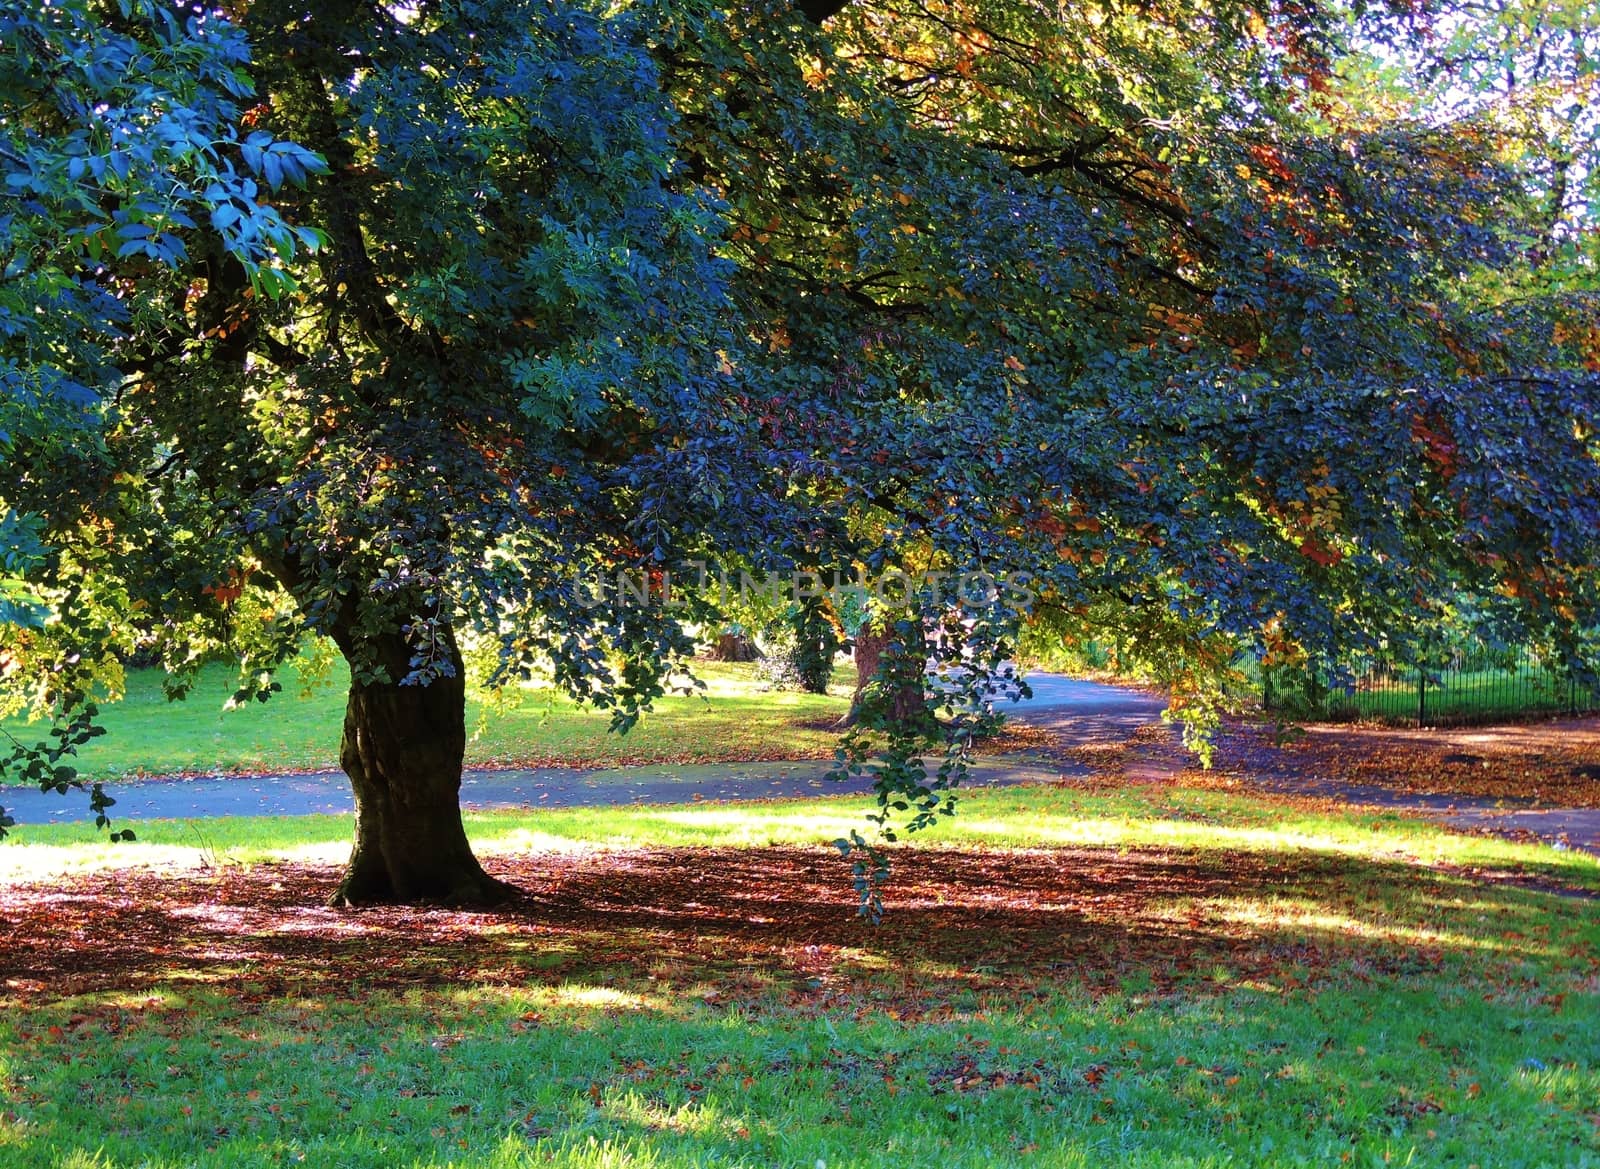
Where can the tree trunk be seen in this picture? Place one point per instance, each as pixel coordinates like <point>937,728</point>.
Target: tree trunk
<point>733,647</point>
<point>871,644</point>
<point>402,749</point>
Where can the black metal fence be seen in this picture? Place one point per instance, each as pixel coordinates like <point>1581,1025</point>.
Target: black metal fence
<point>1475,684</point>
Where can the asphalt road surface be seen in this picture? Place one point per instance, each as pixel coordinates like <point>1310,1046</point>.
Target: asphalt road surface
<point>1075,709</point>
<point>1077,712</point>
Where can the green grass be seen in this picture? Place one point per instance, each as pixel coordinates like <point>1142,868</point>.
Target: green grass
<point>1022,817</point>
<point>1175,978</point>
<point>734,719</point>
<point>620,1077</point>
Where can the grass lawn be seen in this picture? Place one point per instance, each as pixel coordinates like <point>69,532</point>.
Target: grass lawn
<point>733,719</point>
<point>1151,976</point>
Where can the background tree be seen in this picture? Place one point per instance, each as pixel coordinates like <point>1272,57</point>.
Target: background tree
<point>119,135</point>
<point>1139,302</point>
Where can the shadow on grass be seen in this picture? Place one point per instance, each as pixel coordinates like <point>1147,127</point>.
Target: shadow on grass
<point>675,1007</point>
<point>753,923</point>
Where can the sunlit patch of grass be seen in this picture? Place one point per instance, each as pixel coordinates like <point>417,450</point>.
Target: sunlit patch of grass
<point>733,718</point>
<point>1158,817</point>
<point>601,998</point>
<point>1391,1069</point>
<point>1304,918</point>
<point>1314,834</point>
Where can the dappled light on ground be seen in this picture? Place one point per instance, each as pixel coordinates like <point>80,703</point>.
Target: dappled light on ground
<point>675,1007</point>
<point>1149,967</point>
<point>1083,913</point>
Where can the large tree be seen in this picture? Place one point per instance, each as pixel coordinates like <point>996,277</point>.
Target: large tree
<point>1127,300</point>
<point>498,377</point>
<point>1157,306</point>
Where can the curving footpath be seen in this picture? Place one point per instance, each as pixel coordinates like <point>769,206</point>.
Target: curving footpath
<point>1077,713</point>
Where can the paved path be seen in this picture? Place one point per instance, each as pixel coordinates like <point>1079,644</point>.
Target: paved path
<point>1061,704</point>
<point>1571,827</point>
<point>1078,713</point>
<point>211,797</point>
<point>1081,711</point>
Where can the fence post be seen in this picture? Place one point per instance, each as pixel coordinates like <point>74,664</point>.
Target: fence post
<point>1422,696</point>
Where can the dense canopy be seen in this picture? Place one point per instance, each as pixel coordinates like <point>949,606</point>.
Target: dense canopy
<point>465,308</point>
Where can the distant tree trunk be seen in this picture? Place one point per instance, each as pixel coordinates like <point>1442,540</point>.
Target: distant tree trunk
<point>871,645</point>
<point>402,749</point>
<point>734,647</point>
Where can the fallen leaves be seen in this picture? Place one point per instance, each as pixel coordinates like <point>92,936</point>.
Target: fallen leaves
<point>1555,763</point>
<point>723,927</point>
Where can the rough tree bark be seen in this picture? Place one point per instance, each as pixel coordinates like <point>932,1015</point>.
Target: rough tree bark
<point>733,647</point>
<point>402,749</point>
<point>871,644</point>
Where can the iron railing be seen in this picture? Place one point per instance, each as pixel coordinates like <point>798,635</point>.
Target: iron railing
<point>1475,684</point>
